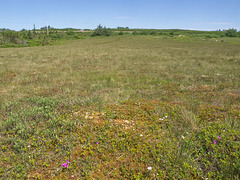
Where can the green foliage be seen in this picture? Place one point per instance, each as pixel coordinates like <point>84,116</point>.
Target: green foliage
<point>36,37</point>
<point>144,32</point>
<point>9,36</point>
<point>171,34</point>
<point>135,33</point>
<point>120,33</point>
<point>123,28</point>
<point>231,33</point>
<point>23,38</point>
<point>153,33</point>
<point>102,31</point>
<point>70,32</point>
<point>216,149</point>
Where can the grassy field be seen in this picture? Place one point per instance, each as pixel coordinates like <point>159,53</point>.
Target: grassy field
<point>124,107</point>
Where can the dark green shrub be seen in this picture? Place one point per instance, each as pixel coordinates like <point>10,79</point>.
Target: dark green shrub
<point>171,34</point>
<point>120,33</point>
<point>102,31</point>
<point>135,33</point>
<point>231,33</point>
<point>144,33</point>
<point>153,33</point>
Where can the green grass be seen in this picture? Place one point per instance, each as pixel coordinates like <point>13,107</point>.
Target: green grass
<point>140,107</point>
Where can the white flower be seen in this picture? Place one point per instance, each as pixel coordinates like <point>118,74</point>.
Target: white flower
<point>165,116</point>
<point>141,135</point>
<point>160,119</point>
<point>149,168</point>
<point>183,137</point>
<point>29,146</point>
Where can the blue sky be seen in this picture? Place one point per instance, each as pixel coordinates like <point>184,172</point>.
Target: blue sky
<point>156,14</point>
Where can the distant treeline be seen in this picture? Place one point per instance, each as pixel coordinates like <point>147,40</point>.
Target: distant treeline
<point>50,35</point>
<point>103,31</point>
<point>179,32</point>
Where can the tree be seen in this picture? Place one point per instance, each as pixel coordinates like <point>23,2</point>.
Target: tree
<point>231,33</point>
<point>34,29</point>
<point>102,31</point>
<point>29,35</point>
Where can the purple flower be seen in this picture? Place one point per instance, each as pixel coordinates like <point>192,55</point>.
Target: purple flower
<point>178,146</point>
<point>65,165</point>
<point>96,143</point>
<point>219,137</point>
<point>215,104</point>
<point>215,142</point>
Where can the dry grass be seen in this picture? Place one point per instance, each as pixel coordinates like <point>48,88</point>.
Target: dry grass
<point>117,68</point>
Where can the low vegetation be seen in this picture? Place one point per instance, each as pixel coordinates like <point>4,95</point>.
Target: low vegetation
<point>51,36</point>
<point>121,107</point>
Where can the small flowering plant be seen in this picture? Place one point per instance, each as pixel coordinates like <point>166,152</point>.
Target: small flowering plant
<point>65,165</point>
<point>215,141</point>
<point>161,119</point>
<point>149,168</point>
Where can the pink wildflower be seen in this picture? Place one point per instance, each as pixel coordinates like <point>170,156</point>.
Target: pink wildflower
<point>215,142</point>
<point>65,165</point>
